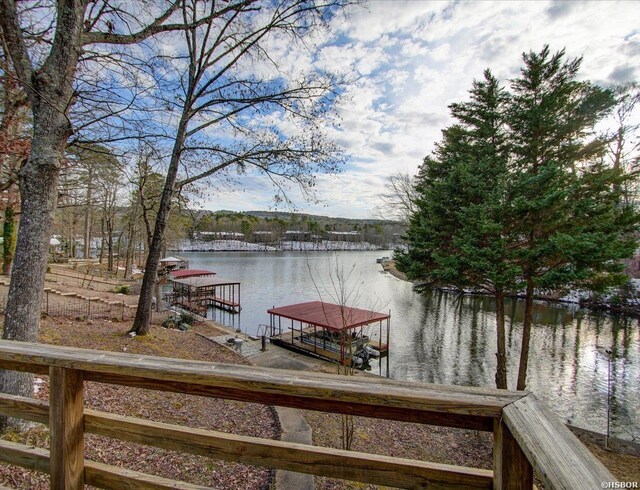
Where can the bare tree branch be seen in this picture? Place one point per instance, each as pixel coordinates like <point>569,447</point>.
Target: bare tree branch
<point>158,26</point>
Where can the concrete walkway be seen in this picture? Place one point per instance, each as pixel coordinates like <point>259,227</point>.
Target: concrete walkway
<point>293,426</point>
<point>246,348</point>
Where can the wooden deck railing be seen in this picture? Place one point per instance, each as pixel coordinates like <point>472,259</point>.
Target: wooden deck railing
<point>527,435</point>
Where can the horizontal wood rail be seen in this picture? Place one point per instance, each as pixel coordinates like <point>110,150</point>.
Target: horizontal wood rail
<point>527,434</point>
<point>96,474</point>
<point>368,468</point>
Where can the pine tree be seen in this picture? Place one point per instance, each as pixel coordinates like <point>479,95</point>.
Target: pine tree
<point>517,195</point>
<point>457,236</point>
<point>565,205</point>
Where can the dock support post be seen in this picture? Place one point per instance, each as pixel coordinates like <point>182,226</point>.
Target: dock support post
<point>388,346</point>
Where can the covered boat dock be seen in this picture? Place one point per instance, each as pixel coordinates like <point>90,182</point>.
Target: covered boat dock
<point>172,263</point>
<point>329,331</point>
<point>184,273</point>
<point>197,290</point>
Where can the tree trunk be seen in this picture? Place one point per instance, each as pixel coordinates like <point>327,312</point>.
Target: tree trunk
<point>501,369</point>
<point>9,235</point>
<point>118,250</point>
<point>110,245</point>
<point>102,240</point>
<point>74,246</point>
<point>38,184</point>
<point>87,213</point>
<point>142,322</point>
<point>157,295</point>
<point>526,336</point>
<point>130,251</point>
<point>50,91</point>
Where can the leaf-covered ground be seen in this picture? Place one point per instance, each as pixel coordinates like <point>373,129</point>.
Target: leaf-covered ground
<point>403,440</point>
<point>192,411</point>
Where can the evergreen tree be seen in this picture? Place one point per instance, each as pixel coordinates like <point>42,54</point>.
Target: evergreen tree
<point>458,235</point>
<point>517,195</point>
<point>569,226</point>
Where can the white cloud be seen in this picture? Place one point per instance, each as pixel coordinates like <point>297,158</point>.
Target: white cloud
<point>410,60</point>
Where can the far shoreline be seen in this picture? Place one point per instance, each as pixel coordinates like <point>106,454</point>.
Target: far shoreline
<point>589,304</point>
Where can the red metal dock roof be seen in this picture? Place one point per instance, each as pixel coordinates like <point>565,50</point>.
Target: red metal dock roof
<point>328,315</point>
<point>204,281</point>
<point>184,273</point>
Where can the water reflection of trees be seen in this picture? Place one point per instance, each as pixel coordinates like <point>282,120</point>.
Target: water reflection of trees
<point>454,343</point>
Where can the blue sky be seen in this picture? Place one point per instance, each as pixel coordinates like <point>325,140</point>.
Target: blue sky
<point>410,59</point>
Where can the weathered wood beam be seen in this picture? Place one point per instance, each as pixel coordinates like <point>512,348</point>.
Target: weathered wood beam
<point>96,474</point>
<point>32,458</point>
<point>42,369</point>
<point>335,463</point>
<point>511,469</point>
<point>558,457</point>
<point>375,408</point>
<point>302,458</point>
<point>24,408</point>
<point>106,476</point>
<point>465,407</point>
<point>66,428</point>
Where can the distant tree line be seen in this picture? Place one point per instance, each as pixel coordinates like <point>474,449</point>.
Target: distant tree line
<point>100,218</point>
<point>523,194</point>
<point>271,227</point>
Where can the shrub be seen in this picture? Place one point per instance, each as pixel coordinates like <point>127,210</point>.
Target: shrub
<point>169,322</point>
<point>122,289</point>
<point>188,318</point>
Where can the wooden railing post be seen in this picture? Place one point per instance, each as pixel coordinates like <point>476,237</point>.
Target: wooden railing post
<point>66,425</point>
<point>526,432</point>
<point>511,469</point>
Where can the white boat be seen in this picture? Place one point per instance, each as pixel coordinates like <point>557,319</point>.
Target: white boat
<point>331,341</point>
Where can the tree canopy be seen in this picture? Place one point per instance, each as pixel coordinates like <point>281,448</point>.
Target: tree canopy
<point>517,196</point>
<point>196,76</point>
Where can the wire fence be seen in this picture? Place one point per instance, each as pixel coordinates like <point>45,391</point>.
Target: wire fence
<point>56,305</point>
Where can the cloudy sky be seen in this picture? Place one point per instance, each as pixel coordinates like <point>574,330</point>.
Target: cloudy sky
<point>411,59</point>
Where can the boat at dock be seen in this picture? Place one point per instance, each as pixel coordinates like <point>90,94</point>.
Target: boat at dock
<point>355,347</point>
<point>331,332</point>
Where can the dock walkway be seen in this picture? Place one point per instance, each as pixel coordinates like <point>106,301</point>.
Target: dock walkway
<point>248,348</point>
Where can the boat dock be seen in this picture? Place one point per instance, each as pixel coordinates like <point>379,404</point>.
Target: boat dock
<point>199,292</point>
<point>332,332</point>
<point>296,343</point>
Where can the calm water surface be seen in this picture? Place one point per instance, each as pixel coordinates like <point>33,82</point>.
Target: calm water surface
<point>444,338</point>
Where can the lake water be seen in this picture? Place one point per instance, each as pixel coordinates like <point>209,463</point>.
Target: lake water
<point>446,338</point>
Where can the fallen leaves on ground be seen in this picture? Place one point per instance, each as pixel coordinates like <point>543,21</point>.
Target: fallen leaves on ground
<point>175,408</point>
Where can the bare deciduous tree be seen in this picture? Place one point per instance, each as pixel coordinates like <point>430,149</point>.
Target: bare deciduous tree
<point>624,144</point>
<point>343,287</point>
<point>14,151</point>
<point>398,202</point>
<point>47,73</point>
<point>235,108</point>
